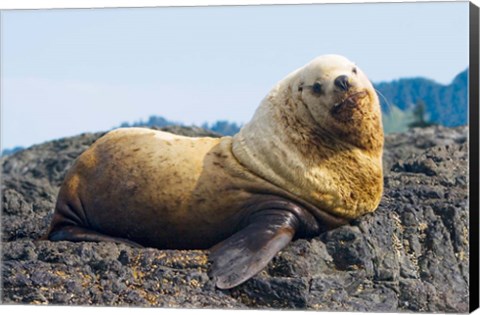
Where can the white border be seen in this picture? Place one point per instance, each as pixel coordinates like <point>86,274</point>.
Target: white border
<point>55,4</point>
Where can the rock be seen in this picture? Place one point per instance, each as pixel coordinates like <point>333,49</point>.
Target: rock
<point>412,254</point>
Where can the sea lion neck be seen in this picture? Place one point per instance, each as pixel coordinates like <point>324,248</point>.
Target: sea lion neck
<point>272,145</point>
<point>283,139</point>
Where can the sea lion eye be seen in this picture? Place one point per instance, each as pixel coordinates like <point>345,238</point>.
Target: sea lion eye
<point>354,70</point>
<point>317,88</point>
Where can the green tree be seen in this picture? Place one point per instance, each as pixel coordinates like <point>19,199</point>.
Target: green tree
<point>223,127</point>
<point>420,116</point>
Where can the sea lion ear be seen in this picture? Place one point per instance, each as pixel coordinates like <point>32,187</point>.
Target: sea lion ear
<point>247,252</point>
<point>300,87</point>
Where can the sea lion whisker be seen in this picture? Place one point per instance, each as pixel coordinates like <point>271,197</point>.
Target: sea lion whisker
<point>350,97</point>
<point>385,99</point>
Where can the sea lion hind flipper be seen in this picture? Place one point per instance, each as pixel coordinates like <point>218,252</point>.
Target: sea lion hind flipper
<point>247,252</point>
<point>79,234</point>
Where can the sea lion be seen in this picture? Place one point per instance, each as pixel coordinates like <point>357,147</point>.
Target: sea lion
<point>308,161</point>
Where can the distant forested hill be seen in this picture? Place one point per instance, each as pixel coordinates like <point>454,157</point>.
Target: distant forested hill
<point>222,127</point>
<point>444,104</point>
<point>153,120</point>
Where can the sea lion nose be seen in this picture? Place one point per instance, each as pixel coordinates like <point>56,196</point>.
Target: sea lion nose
<point>342,82</point>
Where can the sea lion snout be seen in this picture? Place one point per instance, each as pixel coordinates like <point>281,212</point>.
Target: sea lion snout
<point>342,82</point>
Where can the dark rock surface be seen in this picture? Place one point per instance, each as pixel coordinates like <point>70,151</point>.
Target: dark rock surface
<point>410,255</point>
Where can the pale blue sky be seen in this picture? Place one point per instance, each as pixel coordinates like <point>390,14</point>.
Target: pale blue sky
<point>70,71</point>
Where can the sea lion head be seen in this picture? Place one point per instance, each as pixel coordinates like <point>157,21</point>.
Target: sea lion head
<point>318,134</point>
<point>340,99</point>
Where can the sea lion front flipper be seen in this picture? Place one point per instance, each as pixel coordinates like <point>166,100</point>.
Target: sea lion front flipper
<point>247,252</point>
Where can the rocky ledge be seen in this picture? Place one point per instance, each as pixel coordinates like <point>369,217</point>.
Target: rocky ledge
<point>412,254</point>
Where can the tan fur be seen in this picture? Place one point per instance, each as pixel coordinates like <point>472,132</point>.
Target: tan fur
<point>170,191</point>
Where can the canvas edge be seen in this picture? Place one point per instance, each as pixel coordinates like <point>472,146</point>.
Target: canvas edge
<point>474,157</point>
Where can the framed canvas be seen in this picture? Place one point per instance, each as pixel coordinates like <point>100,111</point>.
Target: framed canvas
<point>272,156</point>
